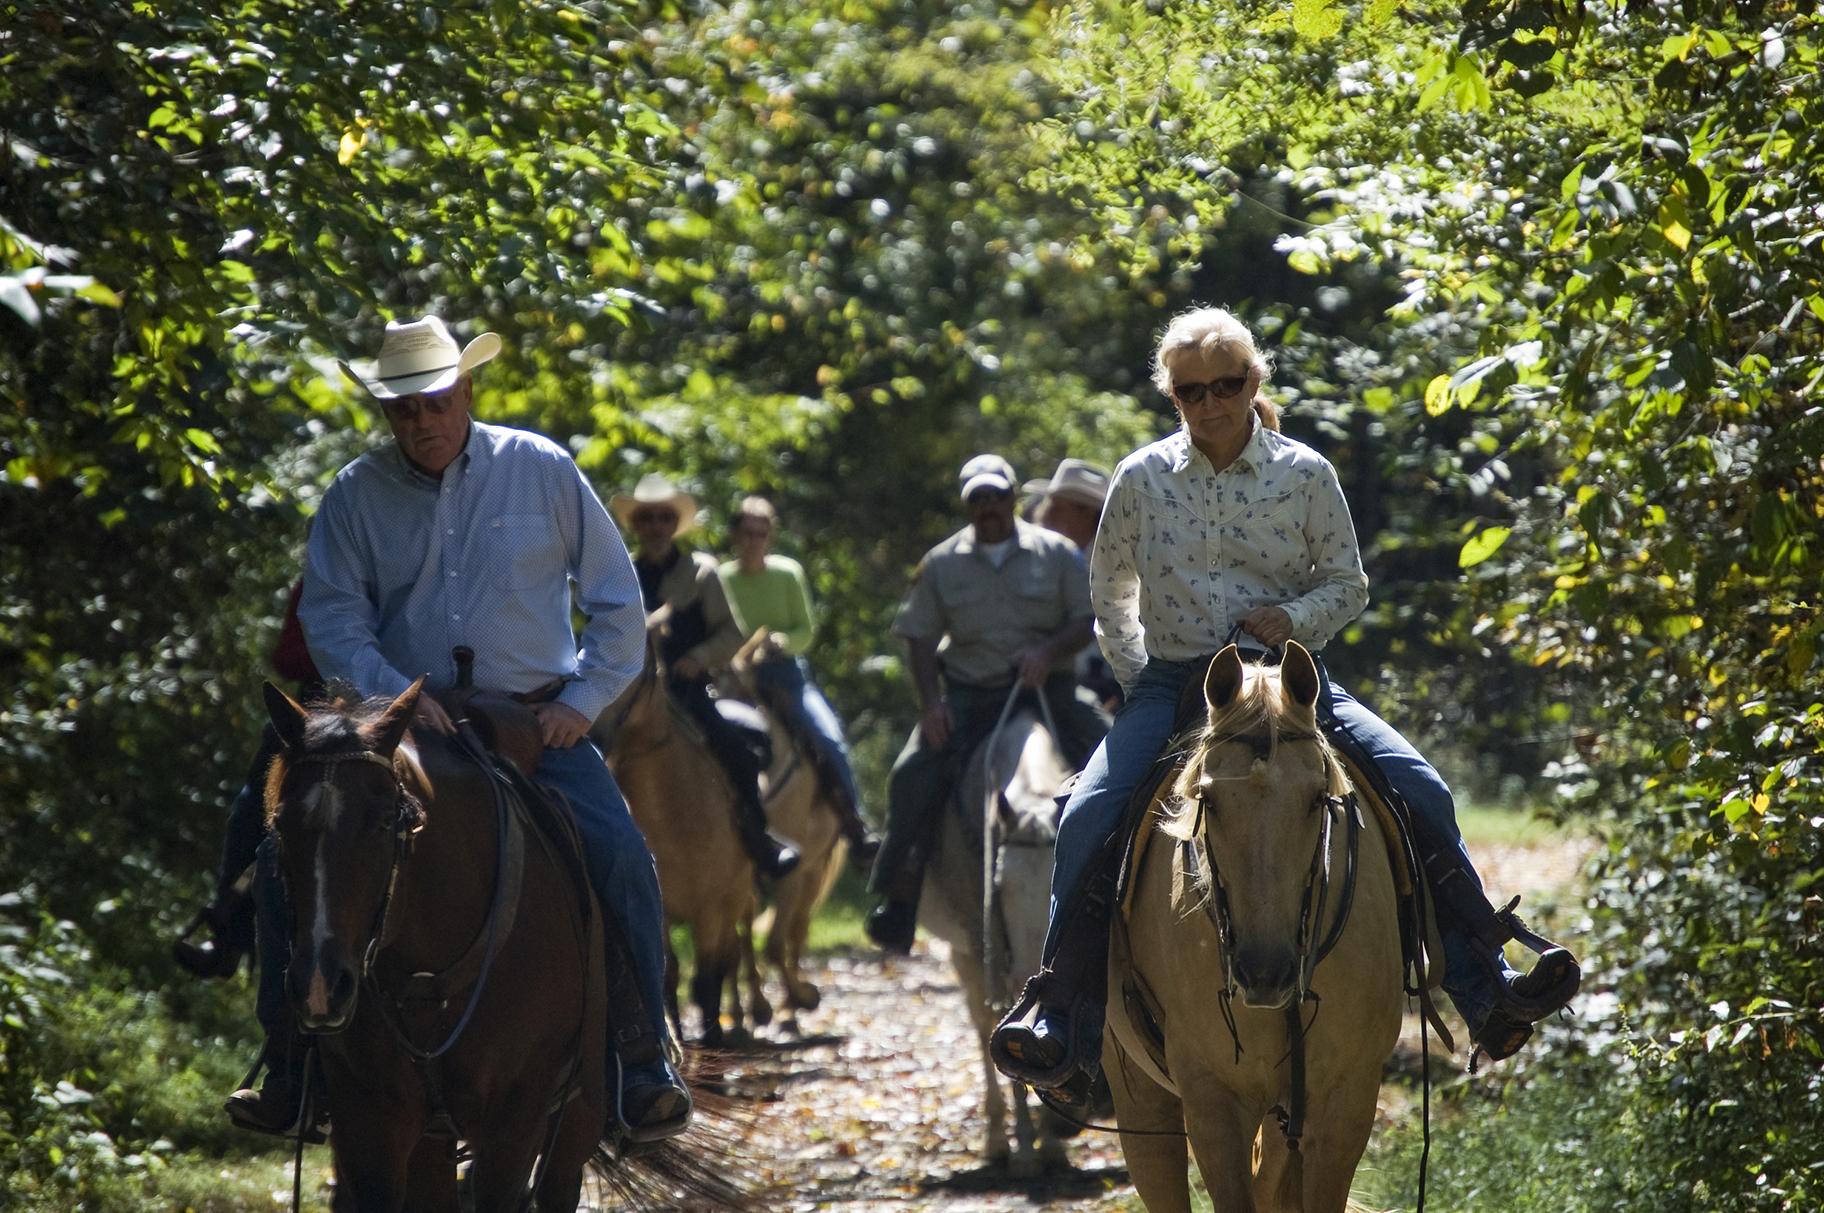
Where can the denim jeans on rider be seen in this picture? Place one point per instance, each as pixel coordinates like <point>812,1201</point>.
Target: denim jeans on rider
<point>1144,725</point>
<point>620,867</point>
<point>790,678</point>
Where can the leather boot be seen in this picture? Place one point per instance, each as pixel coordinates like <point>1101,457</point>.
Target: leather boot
<point>218,955</point>
<point>773,856</point>
<point>652,1103</point>
<point>1052,1037</point>
<point>276,1106</point>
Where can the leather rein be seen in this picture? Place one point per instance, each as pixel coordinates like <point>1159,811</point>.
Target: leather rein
<point>1320,875</point>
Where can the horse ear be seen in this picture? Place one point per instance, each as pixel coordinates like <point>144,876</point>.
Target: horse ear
<point>288,716</point>
<point>1298,675</point>
<point>389,730</point>
<point>1224,680</point>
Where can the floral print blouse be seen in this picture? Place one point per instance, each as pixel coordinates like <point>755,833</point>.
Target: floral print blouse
<point>1184,552</point>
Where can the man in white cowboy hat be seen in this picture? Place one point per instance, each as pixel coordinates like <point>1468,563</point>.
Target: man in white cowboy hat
<point>461,533</point>
<point>999,602</point>
<point>701,637</point>
<point>1070,503</point>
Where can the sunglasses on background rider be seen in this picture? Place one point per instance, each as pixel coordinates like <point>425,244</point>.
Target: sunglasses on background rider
<point>1217,389</point>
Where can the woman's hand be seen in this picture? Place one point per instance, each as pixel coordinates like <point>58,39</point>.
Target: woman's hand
<point>1268,624</point>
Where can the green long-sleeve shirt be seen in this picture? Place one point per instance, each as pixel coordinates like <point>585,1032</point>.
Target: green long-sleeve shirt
<point>778,599</point>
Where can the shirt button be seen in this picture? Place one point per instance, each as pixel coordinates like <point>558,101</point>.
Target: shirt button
<point>452,572</point>
<point>450,531</point>
<point>454,615</point>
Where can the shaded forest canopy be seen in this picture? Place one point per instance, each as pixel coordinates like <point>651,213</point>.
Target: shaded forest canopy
<point>1544,280</point>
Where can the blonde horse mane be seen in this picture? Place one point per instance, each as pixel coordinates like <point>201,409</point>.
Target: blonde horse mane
<point>1258,713</point>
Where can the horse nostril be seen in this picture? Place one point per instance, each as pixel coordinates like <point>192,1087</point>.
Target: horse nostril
<point>344,989</point>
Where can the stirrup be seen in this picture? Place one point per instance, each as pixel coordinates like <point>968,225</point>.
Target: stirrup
<point>1083,1019</point>
<point>1548,986</point>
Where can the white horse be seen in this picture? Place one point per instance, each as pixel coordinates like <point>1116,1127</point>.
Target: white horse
<point>989,897</point>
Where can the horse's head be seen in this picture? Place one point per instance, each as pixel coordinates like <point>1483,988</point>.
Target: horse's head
<point>1254,796</point>
<point>342,819</point>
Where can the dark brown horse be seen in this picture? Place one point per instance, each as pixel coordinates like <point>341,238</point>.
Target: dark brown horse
<point>446,955</point>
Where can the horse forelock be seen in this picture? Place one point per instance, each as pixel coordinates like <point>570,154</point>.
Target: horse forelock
<point>1259,713</point>
<point>341,725</point>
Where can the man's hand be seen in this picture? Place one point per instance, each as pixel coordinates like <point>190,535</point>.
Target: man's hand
<point>1032,664</point>
<point>936,724</point>
<point>430,713</point>
<point>561,725</point>
<point>1268,624</point>
<point>687,667</point>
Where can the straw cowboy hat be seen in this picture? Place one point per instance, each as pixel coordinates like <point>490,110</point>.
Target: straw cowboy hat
<point>421,356</point>
<point>1074,479</point>
<point>655,489</point>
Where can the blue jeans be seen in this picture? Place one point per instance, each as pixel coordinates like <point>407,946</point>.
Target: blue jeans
<point>790,679</point>
<point>1144,725</point>
<point>620,867</point>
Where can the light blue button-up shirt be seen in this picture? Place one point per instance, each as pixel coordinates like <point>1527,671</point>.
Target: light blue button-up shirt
<point>402,567</point>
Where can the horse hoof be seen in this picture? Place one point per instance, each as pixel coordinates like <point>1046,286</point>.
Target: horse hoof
<point>806,998</point>
<point>762,1013</point>
<point>1026,1166</point>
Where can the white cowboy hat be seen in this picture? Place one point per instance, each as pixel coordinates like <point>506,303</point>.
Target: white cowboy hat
<point>655,489</point>
<point>1075,479</point>
<point>421,356</point>
<point>985,472</point>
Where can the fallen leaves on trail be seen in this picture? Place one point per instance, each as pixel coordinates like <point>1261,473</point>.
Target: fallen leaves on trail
<point>877,1102</point>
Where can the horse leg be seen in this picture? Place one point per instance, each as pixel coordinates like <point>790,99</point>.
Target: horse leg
<point>672,977</point>
<point>1222,1139</point>
<point>1157,1164</point>
<point>1337,1129</point>
<point>758,1006</point>
<point>431,1178</point>
<point>505,1153</point>
<point>372,1152</point>
<point>994,1103</point>
<point>792,924</point>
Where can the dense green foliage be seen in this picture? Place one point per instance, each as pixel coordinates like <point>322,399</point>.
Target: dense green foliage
<point>1546,282</point>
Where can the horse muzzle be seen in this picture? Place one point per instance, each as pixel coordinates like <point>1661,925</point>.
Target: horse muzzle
<point>1267,978</point>
<point>322,995</point>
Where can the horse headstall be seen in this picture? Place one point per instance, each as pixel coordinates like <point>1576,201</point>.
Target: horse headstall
<point>407,818</point>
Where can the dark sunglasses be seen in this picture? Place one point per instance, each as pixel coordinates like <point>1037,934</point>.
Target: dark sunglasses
<point>989,496</point>
<point>654,517</point>
<point>1219,389</point>
<point>406,408</point>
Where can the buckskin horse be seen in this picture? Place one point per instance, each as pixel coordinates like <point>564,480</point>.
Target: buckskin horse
<point>447,958</point>
<point>990,879</point>
<point>685,807</point>
<point>1255,971</point>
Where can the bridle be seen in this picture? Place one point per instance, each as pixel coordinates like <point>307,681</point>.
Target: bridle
<point>1319,876</point>
<point>404,825</point>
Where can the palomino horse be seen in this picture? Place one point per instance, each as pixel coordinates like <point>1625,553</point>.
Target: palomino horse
<point>1260,877</point>
<point>996,928</point>
<point>685,807</point>
<point>797,809</point>
<point>400,863</point>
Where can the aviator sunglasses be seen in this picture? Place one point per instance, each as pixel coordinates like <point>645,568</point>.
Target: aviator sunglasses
<point>1217,389</point>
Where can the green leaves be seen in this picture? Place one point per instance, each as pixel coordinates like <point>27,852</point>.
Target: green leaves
<point>1482,545</point>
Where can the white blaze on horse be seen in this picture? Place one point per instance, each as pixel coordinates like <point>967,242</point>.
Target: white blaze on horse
<point>988,897</point>
<point>1255,980</point>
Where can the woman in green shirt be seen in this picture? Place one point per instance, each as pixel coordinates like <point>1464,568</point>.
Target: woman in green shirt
<point>770,591</point>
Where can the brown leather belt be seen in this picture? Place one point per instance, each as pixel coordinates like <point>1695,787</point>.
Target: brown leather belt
<point>544,694</point>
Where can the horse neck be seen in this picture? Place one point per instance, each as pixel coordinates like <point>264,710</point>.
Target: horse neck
<point>446,887</point>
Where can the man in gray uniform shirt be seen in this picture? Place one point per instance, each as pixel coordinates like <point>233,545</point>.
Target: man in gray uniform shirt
<point>999,602</point>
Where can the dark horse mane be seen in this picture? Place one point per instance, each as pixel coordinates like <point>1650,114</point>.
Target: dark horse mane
<point>339,720</point>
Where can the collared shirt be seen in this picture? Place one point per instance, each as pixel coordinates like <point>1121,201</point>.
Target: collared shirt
<point>1184,551</point>
<point>402,567</point>
<point>983,615</point>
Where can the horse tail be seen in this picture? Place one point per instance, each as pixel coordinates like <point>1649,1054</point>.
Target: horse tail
<point>706,1166</point>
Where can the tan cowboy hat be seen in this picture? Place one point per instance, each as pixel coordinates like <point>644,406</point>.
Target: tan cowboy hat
<point>421,356</point>
<point>655,489</point>
<point>1075,479</point>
